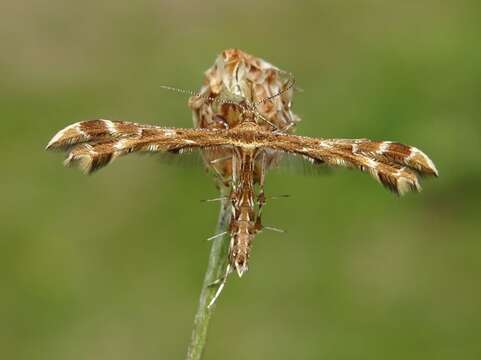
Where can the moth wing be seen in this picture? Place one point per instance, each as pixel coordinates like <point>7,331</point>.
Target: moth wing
<point>394,165</point>
<point>94,144</point>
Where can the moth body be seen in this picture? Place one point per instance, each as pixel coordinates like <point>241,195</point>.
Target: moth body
<point>245,80</point>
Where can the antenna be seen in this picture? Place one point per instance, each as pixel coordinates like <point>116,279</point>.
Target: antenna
<point>251,107</point>
<point>219,100</point>
<point>290,84</point>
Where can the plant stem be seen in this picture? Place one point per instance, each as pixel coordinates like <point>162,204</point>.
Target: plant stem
<point>215,270</point>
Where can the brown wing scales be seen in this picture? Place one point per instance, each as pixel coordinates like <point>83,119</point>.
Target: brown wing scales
<point>94,144</point>
<point>394,165</point>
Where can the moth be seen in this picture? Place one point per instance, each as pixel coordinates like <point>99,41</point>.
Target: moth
<point>243,126</point>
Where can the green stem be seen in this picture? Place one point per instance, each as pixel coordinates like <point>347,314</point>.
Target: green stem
<point>215,270</point>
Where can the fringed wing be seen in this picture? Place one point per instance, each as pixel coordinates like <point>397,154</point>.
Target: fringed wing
<point>394,165</point>
<point>94,144</point>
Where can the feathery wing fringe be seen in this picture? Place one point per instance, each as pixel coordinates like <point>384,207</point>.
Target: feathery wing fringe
<point>394,165</point>
<point>94,144</point>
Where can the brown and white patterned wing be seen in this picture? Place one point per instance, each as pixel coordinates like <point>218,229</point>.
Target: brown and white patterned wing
<point>394,165</point>
<point>94,144</point>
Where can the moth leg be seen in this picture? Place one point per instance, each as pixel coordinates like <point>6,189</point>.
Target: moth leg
<point>221,178</point>
<point>215,199</point>
<point>220,159</point>
<point>261,198</point>
<point>212,164</point>
<point>285,130</point>
<point>221,282</point>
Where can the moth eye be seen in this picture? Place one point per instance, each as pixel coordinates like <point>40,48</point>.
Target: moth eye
<point>220,122</point>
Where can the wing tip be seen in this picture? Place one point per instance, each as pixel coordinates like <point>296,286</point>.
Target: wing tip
<point>54,142</point>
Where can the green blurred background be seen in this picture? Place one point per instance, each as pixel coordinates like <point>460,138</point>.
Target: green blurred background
<point>110,266</point>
